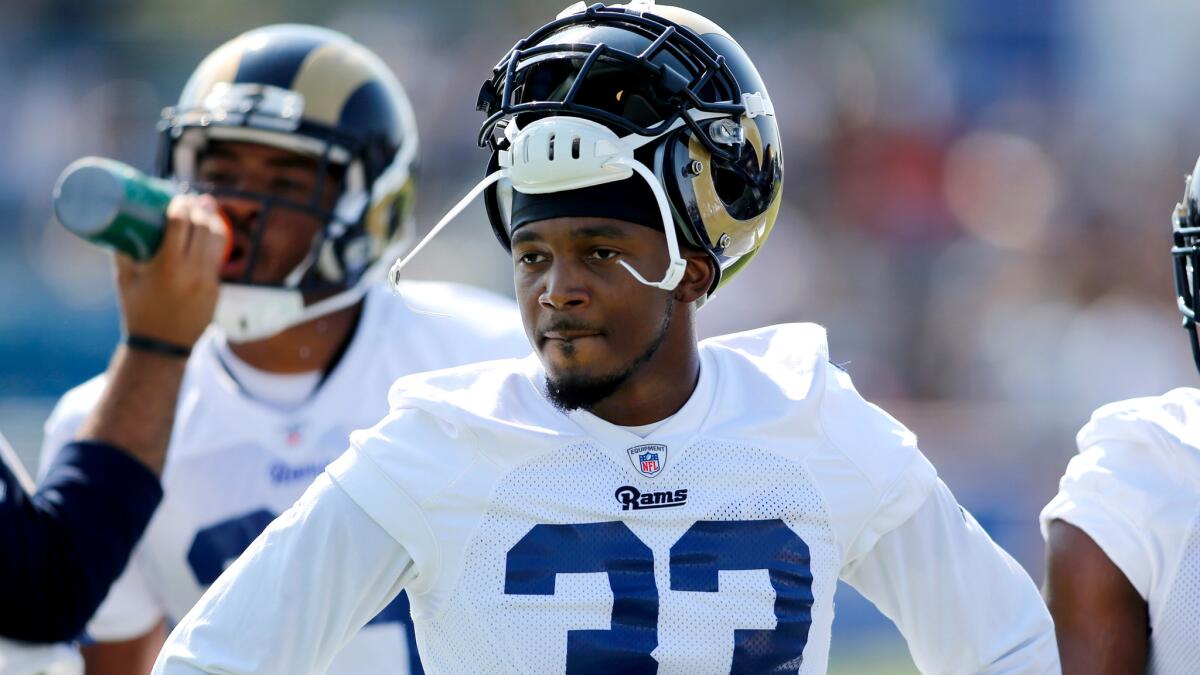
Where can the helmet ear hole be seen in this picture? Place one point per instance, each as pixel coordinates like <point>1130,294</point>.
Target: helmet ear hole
<point>730,187</point>
<point>734,182</point>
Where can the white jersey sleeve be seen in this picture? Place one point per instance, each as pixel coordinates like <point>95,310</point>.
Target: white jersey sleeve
<point>961,602</point>
<point>295,597</point>
<point>1132,489</point>
<point>1119,484</point>
<point>885,455</point>
<point>130,609</point>
<point>21,658</point>
<point>1103,494</point>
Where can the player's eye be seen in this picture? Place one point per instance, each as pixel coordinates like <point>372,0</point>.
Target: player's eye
<point>289,187</point>
<point>604,254</point>
<point>218,178</point>
<point>532,258</point>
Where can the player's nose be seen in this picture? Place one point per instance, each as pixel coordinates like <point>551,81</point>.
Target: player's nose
<point>564,287</point>
<point>242,211</point>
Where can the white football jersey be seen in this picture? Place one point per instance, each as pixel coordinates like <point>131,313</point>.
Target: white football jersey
<point>1134,488</point>
<point>19,658</point>
<point>234,463</point>
<point>532,541</point>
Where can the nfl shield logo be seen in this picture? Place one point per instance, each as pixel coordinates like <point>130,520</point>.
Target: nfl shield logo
<point>648,459</point>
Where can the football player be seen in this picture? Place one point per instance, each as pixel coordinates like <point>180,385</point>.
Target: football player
<point>628,499</point>
<point>1123,532</point>
<point>307,142</point>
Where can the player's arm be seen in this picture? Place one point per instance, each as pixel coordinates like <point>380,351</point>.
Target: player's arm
<point>961,602</point>
<point>166,302</point>
<point>297,595</point>
<point>1102,622</point>
<point>69,541</point>
<point>122,657</point>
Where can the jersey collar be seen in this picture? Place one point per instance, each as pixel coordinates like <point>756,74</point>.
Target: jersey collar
<point>675,433</point>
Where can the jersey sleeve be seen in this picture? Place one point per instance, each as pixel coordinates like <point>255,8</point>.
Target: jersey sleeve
<point>388,471</point>
<point>76,532</point>
<point>961,602</point>
<point>878,478</point>
<point>297,595</point>
<point>1112,491</point>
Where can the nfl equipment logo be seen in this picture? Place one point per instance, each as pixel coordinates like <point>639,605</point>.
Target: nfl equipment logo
<point>649,462</point>
<point>648,459</point>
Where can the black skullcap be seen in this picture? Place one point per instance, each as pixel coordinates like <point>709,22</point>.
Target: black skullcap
<point>630,200</point>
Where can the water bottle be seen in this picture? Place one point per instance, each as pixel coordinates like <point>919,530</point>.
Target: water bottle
<point>113,205</point>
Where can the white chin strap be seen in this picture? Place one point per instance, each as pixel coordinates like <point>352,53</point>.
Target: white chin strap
<point>251,313</point>
<point>555,154</point>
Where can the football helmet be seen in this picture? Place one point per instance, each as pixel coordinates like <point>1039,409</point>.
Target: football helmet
<point>698,127</point>
<point>318,93</point>
<point>603,92</point>
<point>1185,223</point>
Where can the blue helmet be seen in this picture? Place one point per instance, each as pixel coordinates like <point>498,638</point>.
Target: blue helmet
<point>315,92</point>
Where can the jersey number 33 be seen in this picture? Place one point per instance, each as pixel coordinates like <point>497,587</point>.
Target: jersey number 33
<point>707,548</point>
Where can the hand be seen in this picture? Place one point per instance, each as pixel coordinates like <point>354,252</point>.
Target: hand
<point>172,296</point>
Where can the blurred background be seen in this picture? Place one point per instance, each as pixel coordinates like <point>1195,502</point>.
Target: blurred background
<point>977,199</point>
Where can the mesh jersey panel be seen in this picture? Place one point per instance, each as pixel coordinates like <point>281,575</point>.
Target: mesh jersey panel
<point>1175,636</point>
<point>725,481</point>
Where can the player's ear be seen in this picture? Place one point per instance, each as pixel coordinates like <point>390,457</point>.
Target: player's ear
<point>697,278</point>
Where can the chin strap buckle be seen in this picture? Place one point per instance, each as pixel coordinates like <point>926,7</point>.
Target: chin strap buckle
<point>757,105</point>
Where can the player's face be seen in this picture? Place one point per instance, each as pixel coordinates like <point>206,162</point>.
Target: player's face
<point>590,321</point>
<point>285,233</point>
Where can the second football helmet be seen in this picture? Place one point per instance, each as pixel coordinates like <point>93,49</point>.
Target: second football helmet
<point>1185,223</point>
<point>318,93</point>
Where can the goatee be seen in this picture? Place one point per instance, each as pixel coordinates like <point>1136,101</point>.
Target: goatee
<point>574,393</point>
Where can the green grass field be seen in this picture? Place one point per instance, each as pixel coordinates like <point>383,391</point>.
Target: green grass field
<point>873,661</point>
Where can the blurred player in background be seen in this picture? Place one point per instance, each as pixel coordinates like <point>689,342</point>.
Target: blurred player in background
<point>629,501</point>
<point>308,143</point>
<point>68,540</point>
<point>1123,533</point>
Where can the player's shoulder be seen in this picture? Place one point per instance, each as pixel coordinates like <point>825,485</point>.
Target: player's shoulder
<point>1170,422</point>
<point>497,394</point>
<point>1131,488</point>
<point>1148,446</point>
<point>1135,456</point>
<point>783,352</point>
<point>768,380</point>
<point>779,380</point>
<point>777,386</point>
<point>449,436</point>
<point>445,420</point>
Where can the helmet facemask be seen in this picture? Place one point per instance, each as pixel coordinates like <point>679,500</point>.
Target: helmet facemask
<point>1186,252</point>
